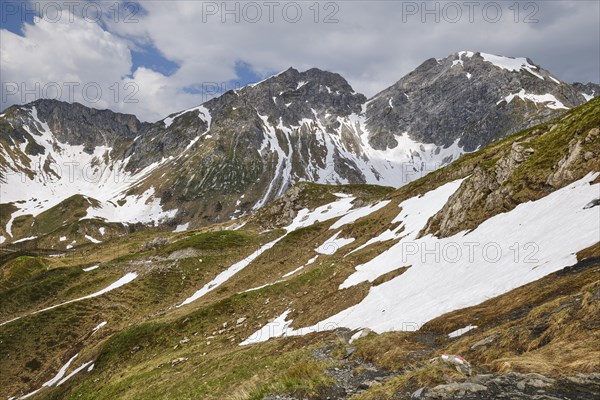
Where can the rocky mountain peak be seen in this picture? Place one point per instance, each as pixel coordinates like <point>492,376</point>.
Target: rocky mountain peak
<point>75,124</point>
<point>467,96</point>
<point>311,77</point>
<point>292,96</point>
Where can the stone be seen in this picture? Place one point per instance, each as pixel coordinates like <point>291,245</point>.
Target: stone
<point>483,342</point>
<point>178,361</point>
<point>592,135</point>
<point>454,389</point>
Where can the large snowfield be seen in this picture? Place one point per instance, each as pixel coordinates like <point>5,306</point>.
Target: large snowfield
<point>506,251</point>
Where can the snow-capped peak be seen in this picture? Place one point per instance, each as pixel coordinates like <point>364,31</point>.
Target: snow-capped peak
<point>512,63</point>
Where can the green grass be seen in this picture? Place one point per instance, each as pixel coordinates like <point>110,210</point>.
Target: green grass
<point>214,241</point>
<point>20,270</point>
<point>67,212</point>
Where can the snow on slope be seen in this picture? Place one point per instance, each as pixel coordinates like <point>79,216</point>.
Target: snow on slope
<point>115,285</point>
<point>304,218</point>
<point>506,251</point>
<point>511,64</point>
<point>408,161</point>
<point>416,211</point>
<point>99,326</point>
<point>461,331</point>
<point>204,114</point>
<point>75,372</point>
<point>59,378</point>
<point>311,261</point>
<point>61,372</point>
<point>358,213</point>
<point>72,171</point>
<point>228,273</point>
<point>105,179</point>
<point>333,244</point>
<point>276,328</point>
<point>144,208</point>
<point>548,100</point>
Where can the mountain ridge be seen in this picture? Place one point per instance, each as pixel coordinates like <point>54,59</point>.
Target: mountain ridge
<point>237,152</point>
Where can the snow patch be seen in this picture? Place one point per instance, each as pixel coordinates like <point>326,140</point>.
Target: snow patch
<point>511,64</point>
<point>333,244</point>
<point>587,97</point>
<point>436,285</point>
<point>431,287</point>
<point>75,372</point>
<point>144,208</point>
<point>312,260</point>
<point>326,212</point>
<point>547,99</point>
<point>115,285</point>
<point>61,372</point>
<point>358,213</point>
<point>99,326</point>
<point>93,240</point>
<point>25,239</point>
<point>182,227</point>
<point>461,331</point>
<point>228,273</point>
<point>204,115</point>
<point>262,286</point>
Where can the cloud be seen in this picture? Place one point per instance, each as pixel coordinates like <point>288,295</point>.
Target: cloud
<point>70,59</point>
<point>370,43</point>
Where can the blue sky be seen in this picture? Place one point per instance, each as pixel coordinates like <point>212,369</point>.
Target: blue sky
<point>171,51</point>
<point>14,14</point>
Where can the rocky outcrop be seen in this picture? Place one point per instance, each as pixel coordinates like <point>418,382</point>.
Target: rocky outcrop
<point>576,155</point>
<point>495,184</point>
<point>515,386</point>
<point>589,89</point>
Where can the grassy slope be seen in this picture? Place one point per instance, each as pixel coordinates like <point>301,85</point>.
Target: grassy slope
<point>134,352</point>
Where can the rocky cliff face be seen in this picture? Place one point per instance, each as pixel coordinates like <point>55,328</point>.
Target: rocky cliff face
<point>550,157</point>
<point>237,152</point>
<point>472,98</point>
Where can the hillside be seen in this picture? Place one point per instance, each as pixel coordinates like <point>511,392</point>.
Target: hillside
<point>340,291</point>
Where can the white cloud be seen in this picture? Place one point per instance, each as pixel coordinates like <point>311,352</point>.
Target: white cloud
<point>51,55</point>
<point>374,43</point>
<point>157,96</point>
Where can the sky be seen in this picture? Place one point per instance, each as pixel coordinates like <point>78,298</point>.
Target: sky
<point>153,58</point>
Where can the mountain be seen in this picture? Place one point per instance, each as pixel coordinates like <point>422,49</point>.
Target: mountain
<point>468,98</point>
<point>479,280</point>
<point>244,149</point>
